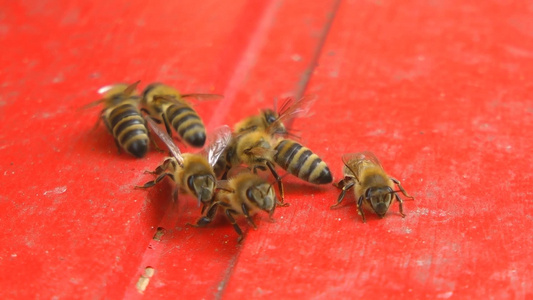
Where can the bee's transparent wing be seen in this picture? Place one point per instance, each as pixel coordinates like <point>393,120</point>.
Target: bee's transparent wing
<point>353,158</point>
<point>165,138</point>
<point>220,139</point>
<point>355,161</point>
<point>292,107</point>
<point>130,89</point>
<point>170,99</point>
<point>181,102</point>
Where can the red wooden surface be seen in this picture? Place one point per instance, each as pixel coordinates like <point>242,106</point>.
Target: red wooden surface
<point>440,91</point>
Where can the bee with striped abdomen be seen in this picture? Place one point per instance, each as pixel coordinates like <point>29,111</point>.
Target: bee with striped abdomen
<point>192,172</point>
<point>165,102</point>
<point>123,118</point>
<point>244,194</point>
<point>373,188</point>
<point>261,150</point>
<point>258,142</point>
<point>301,162</point>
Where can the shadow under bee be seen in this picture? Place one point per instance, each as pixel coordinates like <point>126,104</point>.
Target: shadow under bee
<point>298,187</point>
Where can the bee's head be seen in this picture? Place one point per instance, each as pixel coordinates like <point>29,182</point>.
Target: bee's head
<point>203,187</point>
<point>272,121</point>
<point>270,116</point>
<point>263,195</point>
<point>380,199</point>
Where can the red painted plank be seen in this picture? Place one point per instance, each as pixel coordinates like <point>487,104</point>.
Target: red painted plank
<point>440,92</point>
<point>74,224</point>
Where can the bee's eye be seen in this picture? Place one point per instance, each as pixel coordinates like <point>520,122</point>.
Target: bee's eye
<point>190,183</point>
<point>270,119</point>
<point>250,194</point>
<point>367,193</point>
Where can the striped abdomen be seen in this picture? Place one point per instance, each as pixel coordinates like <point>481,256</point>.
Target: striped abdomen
<point>187,124</point>
<point>127,126</point>
<point>301,162</point>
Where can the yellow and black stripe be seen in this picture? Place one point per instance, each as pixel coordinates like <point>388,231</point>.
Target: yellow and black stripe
<point>166,102</point>
<point>302,162</point>
<point>187,124</point>
<point>128,127</point>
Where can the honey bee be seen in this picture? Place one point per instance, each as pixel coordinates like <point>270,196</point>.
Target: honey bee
<point>261,150</point>
<point>192,172</point>
<point>245,194</point>
<point>373,188</point>
<point>268,120</point>
<point>123,118</point>
<point>275,121</point>
<point>165,102</point>
<point>258,142</point>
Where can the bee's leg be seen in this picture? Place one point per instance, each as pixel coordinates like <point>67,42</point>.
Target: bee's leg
<point>97,123</point>
<point>397,182</point>
<point>270,165</point>
<point>360,208</point>
<point>340,184</point>
<point>271,212</point>
<point>400,201</point>
<point>247,215</point>
<point>208,217</point>
<point>157,148</point>
<point>167,124</point>
<point>346,186</point>
<point>234,223</point>
<point>154,182</point>
<point>148,115</point>
<point>163,167</point>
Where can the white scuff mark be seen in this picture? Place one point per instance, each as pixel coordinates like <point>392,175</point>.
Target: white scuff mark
<point>296,57</point>
<point>422,211</point>
<point>144,279</point>
<point>445,295</point>
<point>57,191</point>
